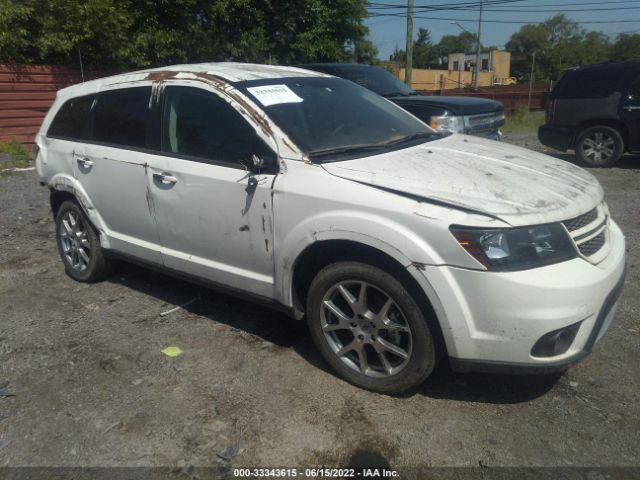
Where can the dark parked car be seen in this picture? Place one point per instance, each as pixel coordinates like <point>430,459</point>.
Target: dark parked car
<point>595,110</point>
<point>473,116</point>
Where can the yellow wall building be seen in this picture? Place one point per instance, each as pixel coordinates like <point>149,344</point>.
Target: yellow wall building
<point>494,70</point>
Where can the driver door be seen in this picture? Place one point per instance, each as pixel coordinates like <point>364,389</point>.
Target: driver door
<point>214,215</point>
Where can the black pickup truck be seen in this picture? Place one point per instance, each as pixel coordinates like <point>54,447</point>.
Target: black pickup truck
<point>473,116</point>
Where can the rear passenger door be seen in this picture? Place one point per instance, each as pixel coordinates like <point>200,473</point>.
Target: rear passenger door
<point>111,167</point>
<point>214,215</point>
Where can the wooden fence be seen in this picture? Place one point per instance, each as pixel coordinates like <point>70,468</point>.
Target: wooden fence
<point>26,93</point>
<point>513,97</point>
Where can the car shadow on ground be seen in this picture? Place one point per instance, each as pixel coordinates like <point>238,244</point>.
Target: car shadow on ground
<point>276,328</point>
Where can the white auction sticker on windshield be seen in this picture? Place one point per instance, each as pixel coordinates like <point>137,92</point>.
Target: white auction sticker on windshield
<point>274,94</point>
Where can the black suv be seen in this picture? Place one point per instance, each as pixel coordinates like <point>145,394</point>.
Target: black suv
<point>473,116</point>
<point>595,110</point>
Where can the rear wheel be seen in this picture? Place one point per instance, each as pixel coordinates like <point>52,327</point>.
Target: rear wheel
<point>369,328</point>
<point>79,246</point>
<point>599,146</point>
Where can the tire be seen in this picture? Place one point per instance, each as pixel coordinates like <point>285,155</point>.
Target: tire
<point>79,246</point>
<point>599,146</point>
<point>359,324</point>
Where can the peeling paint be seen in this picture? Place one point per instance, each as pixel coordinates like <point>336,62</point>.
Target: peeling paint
<point>161,75</point>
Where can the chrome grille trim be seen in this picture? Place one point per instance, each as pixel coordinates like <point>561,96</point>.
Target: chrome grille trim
<point>592,245</point>
<point>590,233</point>
<point>582,220</point>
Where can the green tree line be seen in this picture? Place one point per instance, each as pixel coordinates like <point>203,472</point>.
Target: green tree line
<point>124,33</point>
<point>559,43</point>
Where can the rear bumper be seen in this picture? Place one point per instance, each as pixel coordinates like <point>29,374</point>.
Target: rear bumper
<point>559,138</point>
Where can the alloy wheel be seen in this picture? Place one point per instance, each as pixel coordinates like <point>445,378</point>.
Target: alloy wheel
<point>76,246</point>
<point>598,147</point>
<point>366,329</point>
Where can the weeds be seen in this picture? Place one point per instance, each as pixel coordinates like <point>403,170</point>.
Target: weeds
<point>523,121</point>
<point>19,156</point>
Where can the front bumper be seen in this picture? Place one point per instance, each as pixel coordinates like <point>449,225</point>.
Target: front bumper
<point>490,321</point>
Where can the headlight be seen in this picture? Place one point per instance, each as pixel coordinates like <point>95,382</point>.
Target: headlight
<point>516,248</point>
<point>448,123</point>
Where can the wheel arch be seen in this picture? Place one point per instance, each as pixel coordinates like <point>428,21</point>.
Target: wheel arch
<point>64,187</point>
<point>319,254</point>
<point>617,125</point>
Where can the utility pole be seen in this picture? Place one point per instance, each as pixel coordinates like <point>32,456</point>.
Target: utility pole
<point>477,69</point>
<point>533,65</point>
<point>409,50</point>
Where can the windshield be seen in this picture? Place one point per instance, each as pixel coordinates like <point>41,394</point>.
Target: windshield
<point>377,79</point>
<point>324,116</point>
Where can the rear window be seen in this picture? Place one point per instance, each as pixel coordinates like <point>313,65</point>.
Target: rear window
<point>72,120</point>
<point>121,117</point>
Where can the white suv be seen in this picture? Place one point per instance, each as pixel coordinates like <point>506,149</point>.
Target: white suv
<point>397,244</point>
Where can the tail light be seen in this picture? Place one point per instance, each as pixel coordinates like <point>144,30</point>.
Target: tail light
<point>551,111</point>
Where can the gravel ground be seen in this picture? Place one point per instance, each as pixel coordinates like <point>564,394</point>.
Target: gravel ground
<point>91,387</point>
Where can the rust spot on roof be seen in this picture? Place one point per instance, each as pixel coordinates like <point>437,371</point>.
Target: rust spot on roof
<point>162,75</point>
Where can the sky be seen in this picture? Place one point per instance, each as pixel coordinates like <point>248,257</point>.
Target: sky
<point>389,32</point>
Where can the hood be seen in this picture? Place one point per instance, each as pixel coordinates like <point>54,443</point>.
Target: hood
<point>457,105</point>
<point>516,185</point>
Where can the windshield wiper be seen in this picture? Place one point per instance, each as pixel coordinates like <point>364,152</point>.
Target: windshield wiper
<point>408,138</point>
<point>393,94</point>
<point>347,149</point>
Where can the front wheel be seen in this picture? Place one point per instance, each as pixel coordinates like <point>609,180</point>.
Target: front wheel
<point>369,328</point>
<point>599,146</point>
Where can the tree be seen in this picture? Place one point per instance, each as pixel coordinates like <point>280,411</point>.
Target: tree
<point>464,42</point>
<point>365,51</point>
<point>424,52</point>
<point>626,47</point>
<point>127,33</point>
<point>559,43</point>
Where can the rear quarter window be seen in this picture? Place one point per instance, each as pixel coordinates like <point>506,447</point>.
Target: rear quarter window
<point>588,83</point>
<point>73,119</point>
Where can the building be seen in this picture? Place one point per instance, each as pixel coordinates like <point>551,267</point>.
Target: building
<point>495,67</point>
<point>496,62</point>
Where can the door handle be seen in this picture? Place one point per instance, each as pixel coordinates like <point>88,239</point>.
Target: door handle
<point>631,108</point>
<point>165,178</point>
<point>84,162</point>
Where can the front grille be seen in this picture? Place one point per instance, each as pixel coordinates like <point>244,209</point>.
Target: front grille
<point>581,221</point>
<point>592,246</point>
<point>485,121</point>
<point>589,232</point>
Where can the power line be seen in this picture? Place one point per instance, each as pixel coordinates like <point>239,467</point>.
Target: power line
<point>401,15</point>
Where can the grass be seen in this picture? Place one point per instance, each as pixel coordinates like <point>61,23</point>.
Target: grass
<point>522,121</point>
<point>19,156</point>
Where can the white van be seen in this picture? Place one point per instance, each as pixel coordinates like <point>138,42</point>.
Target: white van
<point>398,244</point>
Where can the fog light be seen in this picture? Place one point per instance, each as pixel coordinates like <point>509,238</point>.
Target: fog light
<point>556,342</point>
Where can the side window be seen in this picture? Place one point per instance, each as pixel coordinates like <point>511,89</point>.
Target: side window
<point>122,117</point>
<point>73,119</point>
<point>633,95</point>
<point>199,124</point>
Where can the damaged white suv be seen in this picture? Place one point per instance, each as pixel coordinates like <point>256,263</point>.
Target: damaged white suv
<point>313,194</point>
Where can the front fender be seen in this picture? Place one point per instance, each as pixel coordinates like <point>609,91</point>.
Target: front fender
<point>384,235</point>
